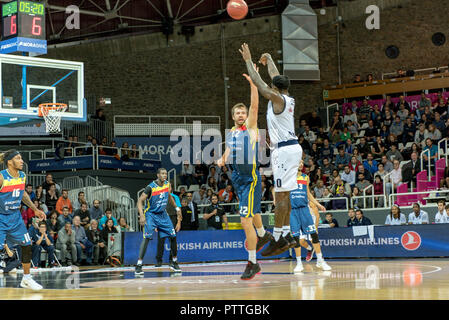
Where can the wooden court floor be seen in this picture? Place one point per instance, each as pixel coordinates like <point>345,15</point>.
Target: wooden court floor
<point>415,279</point>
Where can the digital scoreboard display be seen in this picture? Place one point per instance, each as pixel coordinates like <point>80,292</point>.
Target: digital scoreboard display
<point>23,18</point>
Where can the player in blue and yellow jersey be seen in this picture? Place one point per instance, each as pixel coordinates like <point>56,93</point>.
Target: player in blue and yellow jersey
<point>242,155</point>
<point>301,220</point>
<point>152,215</point>
<point>12,227</point>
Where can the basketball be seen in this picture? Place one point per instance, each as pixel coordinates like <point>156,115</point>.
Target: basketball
<point>237,9</point>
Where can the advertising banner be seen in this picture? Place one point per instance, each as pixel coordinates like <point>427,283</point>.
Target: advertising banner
<point>82,162</point>
<point>108,162</point>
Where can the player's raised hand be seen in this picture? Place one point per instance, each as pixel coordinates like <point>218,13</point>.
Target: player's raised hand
<point>40,214</point>
<point>263,58</point>
<point>246,54</point>
<point>220,162</point>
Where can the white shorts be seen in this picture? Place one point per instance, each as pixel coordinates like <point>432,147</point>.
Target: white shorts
<point>285,163</point>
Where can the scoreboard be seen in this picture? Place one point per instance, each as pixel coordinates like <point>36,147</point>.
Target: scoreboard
<point>23,27</point>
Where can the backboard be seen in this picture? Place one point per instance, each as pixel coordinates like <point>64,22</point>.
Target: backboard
<point>27,82</point>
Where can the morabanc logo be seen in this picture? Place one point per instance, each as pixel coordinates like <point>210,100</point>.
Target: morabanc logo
<point>411,240</point>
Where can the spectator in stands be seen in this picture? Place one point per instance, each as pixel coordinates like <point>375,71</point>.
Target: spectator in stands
<point>384,132</point>
<point>193,218</point>
<point>41,239</point>
<point>434,134</point>
<point>426,120</point>
<point>382,173</point>
<point>361,219</point>
<point>339,202</point>
<point>123,225</point>
<point>224,181</point>
<point>345,135</point>
<point>378,148</point>
<point>64,201</point>
<point>181,192</point>
<point>433,150</point>
<point>81,242</point>
<point>319,189</point>
<point>27,215</point>
<point>186,214</point>
<point>48,182</point>
<point>125,152</point>
<point>65,217</point>
<point>315,122</point>
<point>309,135</point>
<point>212,184</point>
<point>442,215</point>
<point>411,169</point>
<point>403,102</point>
<point>81,199</point>
<point>397,128</point>
<point>370,164</point>
<point>213,173</point>
<point>388,165</point>
<point>395,217</point>
<point>327,194</point>
<point>106,233</point>
<point>333,223</point>
<point>352,128</point>
<point>350,115</point>
<point>134,152</point>
<point>440,108</point>
<point>357,79</point>
<point>107,216</point>
<point>31,194</point>
<point>199,197</point>
<point>327,168</point>
<point>439,123</point>
<point>342,159</point>
<point>352,221</point>
<point>418,216</point>
<point>409,131</point>
<point>367,175</point>
<point>186,175</point>
<point>302,127</point>
<point>304,144</point>
<point>424,101</point>
<point>336,122</point>
<point>394,154</point>
<point>84,215</point>
<point>95,212</point>
<point>314,152</point>
<point>369,77</point>
<point>388,118</point>
<point>215,215</point>
<point>51,197</point>
<point>354,163</point>
<point>226,195</point>
<point>364,112</point>
<point>401,73</point>
<point>112,150</point>
<point>363,147</point>
<point>348,176</point>
<point>225,170</point>
<point>99,115</point>
<point>376,116</point>
<point>362,184</point>
<point>370,132</point>
<point>65,243</point>
<point>99,246</point>
<point>200,173</point>
<point>53,225</point>
<point>396,175</point>
<point>378,186</point>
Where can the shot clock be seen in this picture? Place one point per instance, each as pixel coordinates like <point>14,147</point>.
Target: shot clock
<point>24,20</point>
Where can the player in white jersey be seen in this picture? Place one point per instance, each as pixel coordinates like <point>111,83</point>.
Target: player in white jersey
<point>286,151</point>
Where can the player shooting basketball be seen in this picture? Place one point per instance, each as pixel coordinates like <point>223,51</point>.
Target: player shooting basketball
<point>286,152</point>
<point>12,227</point>
<point>242,155</point>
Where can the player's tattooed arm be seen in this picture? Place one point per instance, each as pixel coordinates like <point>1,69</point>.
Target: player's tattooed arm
<point>267,60</point>
<point>27,200</point>
<point>142,198</point>
<point>264,89</point>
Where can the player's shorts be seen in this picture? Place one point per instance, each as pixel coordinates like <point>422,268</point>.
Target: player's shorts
<point>13,230</point>
<point>161,222</point>
<point>307,236</point>
<point>285,163</point>
<point>249,192</point>
<point>301,222</point>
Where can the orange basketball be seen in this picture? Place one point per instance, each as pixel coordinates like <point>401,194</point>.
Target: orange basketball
<point>237,9</point>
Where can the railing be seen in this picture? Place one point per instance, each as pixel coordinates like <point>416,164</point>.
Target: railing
<point>72,183</point>
<point>172,171</point>
<point>148,125</point>
<point>436,192</point>
<point>428,160</point>
<point>94,127</point>
<point>333,105</point>
<point>385,179</point>
<point>445,149</point>
<point>35,179</point>
<point>364,194</point>
<point>394,74</point>
<point>372,197</point>
<point>92,182</point>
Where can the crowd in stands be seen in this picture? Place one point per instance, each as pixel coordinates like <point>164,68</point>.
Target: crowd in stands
<point>73,228</point>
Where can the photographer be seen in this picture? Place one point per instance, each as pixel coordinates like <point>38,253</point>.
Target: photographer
<point>215,215</point>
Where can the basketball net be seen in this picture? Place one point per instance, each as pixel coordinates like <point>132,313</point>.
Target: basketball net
<point>52,113</point>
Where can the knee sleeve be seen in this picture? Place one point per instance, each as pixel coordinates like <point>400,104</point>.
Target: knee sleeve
<point>314,237</point>
<point>26,254</point>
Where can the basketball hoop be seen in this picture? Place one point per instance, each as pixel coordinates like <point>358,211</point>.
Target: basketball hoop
<point>52,113</point>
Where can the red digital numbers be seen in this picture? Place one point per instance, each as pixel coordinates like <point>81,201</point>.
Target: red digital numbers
<point>36,29</point>
<point>13,28</point>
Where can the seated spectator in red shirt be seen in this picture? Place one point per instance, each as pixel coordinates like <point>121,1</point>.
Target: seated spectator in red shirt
<point>226,195</point>
<point>378,190</point>
<point>64,201</point>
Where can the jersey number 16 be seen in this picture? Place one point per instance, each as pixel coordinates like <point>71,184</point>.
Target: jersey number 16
<point>16,193</point>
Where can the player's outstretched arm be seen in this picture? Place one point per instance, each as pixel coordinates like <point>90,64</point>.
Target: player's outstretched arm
<point>263,88</point>
<point>267,60</point>
<point>313,200</point>
<point>143,197</point>
<point>254,107</point>
<point>222,161</point>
